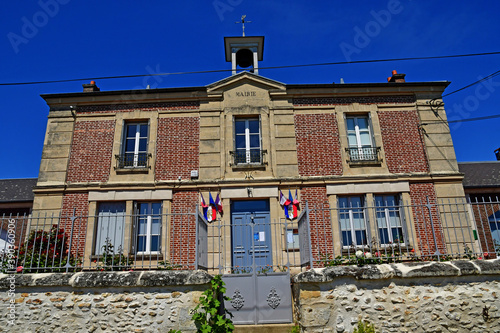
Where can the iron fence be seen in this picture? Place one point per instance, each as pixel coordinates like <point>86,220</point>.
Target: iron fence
<point>387,230</point>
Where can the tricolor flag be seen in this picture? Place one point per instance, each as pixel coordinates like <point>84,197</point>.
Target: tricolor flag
<point>211,211</point>
<point>218,203</point>
<point>296,203</point>
<point>204,206</point>
<point>292,210</point>
<point>282,199</point>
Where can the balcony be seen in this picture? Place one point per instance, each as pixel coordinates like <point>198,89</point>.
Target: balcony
<point>253,158</point>
<point>129,162</point>
<point>364,155</point>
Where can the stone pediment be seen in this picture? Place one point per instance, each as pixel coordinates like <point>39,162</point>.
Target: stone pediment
<point>245,78</point>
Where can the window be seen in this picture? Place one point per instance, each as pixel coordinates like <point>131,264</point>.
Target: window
<point>389,221</point>
<point>247,141</point>
<point>494,220</point>
<point>135,146</point>
<point>110,222</point>
<point>148,227</point>
<point>292,239</point>
<point>352,221</point>
<point>359,136</point>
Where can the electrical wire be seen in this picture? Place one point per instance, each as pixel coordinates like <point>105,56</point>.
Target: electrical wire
<point>271,67</point>
<point>462,120</point>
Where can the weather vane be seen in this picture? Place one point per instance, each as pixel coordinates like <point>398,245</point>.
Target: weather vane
<point>243,23</point>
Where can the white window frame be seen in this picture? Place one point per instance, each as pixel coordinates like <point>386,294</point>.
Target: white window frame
<point>149,226</point>
<point>137,139</point>
<point>357,133</point>
<point>386,211</point>
<point>292,233</point>
<point>352,230</point>
<point>248,149</point>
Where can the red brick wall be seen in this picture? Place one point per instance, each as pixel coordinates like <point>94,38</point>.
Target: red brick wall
<point>319,220</point>
<point>77,203</point>
<point>91,151</point>
<point>403,146</point>
<point>318,145</point>
<point>423,228</point>
<point>177,147</point>
<point>183,228</point>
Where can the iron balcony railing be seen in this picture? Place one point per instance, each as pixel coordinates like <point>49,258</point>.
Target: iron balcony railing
<point>133,161</point>
<point>364,154</point>
<point>253,157</point>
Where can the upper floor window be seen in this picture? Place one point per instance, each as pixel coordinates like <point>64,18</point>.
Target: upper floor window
<point>389,221</point>
<point>353,221</point>
<point>135,146</point>
<point>360,138</point>
<point>247,141</point>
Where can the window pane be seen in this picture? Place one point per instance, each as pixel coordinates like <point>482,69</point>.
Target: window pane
<point>350,124</point>
<point>362,123</point>
<point>142,227</point>
<point>384,236</point>
<point>365,139</point>
<point>240,142</point>
<point>141,244</point>
<point>397,235</point>
<point>144,208</point>
<point>254,141</point>
<point>352,140</point>
<point>344,222</point>
<point>358,221</point>
<point>361,237</point>
<point>155,226</point>
<point>346,238</point>
<point>253,125</point>
<point>155,243</point>
<point>156,208</point>
<point>143,144</point>
<point>131,130</point>
<point>239,127</point>
<point>143,130</point>
<point>130,145</point>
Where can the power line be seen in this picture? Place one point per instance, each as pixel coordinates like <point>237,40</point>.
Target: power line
<point>463,120</point>
<point>271,67</point>
<point>492,75</point>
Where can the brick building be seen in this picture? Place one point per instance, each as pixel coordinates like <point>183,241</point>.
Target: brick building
<point>123,160</point>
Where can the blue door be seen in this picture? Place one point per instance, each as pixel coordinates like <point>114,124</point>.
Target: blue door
<point>251,235</point>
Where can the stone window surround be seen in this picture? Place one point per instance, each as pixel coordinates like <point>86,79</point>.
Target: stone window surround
<point>368,190</point>
<point>129,197</point>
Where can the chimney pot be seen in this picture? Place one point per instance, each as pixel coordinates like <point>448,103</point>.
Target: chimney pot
<point>497,153</point>
<point>90,87</point>
<point>398,78</point>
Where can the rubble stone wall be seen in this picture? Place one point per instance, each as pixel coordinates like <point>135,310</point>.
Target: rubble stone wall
<point>457,296</point>
<point>101,301</point>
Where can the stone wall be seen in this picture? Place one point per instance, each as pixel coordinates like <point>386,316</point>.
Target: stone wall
<point>101,301</point>
<point>457,296</point>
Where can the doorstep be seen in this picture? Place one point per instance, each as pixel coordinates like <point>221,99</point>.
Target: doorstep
<point>264,328</point>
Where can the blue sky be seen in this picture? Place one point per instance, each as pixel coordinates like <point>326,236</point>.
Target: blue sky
<point>67,39</point>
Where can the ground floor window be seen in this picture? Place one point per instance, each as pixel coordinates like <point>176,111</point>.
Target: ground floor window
<point>110,231</point>
<point>494,220</point>
<point>148,227</point>
<point>388,215</point>
<point>352,221</point>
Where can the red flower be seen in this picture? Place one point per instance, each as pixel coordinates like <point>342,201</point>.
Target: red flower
<point>412,250</point>
<point>486,254</point>
<point>480,258</point>
<point>19,269</point>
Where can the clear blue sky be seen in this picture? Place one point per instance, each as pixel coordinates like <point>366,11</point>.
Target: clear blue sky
<point>66,39</point>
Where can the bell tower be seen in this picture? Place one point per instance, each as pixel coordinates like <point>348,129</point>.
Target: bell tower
<point>244,52</point>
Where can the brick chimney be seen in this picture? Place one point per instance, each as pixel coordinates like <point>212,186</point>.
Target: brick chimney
<point>396,77</point>
<point>497,153</point>
<point>90,87</point>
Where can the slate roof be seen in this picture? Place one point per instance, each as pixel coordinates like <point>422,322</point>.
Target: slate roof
<point>480,174</point>
<point>17,190</point>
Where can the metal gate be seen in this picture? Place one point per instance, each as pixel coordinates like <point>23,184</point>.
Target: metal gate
<point>255,257</point>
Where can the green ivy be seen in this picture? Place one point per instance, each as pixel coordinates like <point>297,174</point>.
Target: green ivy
<point>210,315</point>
